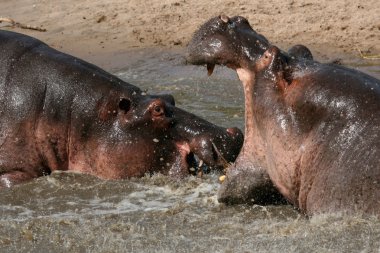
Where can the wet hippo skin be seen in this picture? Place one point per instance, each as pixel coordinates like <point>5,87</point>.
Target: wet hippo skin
<point>311,129</point>
<point>60,113</point>
<point>300,51</point>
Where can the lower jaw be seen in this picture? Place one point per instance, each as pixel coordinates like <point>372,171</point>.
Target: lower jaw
<point>187,164</point>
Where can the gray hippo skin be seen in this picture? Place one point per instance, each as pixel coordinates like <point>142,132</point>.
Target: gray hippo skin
<point>311,129</point>
<point>300,51</point>
<point>61,113</point>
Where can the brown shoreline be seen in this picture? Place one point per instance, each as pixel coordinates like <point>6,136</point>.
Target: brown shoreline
<point>100,30</point>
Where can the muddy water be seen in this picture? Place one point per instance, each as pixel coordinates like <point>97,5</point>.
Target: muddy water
<point>68,212</point>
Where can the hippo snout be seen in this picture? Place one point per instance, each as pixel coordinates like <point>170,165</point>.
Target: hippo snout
<point>234,132</point>
<point>204,142</point>
<point>218,151</point>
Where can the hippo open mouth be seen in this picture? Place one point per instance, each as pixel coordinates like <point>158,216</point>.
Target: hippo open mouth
<point>205,147</point>
<point>215,43</point>
<point>233,43</point>
<point>298,140</point>
<point>196,163</point>
<point>188,162</point>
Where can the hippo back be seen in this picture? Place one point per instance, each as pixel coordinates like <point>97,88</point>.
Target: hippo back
<point>44,94</point>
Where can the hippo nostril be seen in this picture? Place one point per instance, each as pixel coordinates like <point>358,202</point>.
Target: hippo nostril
<point>234,131</point>
<point>231,131</point>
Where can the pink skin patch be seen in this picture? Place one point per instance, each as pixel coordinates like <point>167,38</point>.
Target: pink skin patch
<point>180,166</point>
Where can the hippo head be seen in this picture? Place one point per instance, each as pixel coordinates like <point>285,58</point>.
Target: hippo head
<point>71,115</point>
<point>233,43</point>
<point>226,41</point>
<point>136,133</point>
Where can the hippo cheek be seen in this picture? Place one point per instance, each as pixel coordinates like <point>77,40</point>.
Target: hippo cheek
<point>183,160</point>
<point>170,158</point>
<point>164,156</point>
<point>159,147</point>
<point>124,160</point>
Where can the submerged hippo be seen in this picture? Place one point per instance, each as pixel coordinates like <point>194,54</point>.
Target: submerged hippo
<point>300,51</point>
<point>61,113</point>
<point>311,129</point>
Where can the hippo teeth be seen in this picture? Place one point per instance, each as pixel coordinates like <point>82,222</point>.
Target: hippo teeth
<point>198,166</point>
<point>210,68</point>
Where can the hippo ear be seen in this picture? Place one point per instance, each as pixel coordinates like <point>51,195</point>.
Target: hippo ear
<point>224,18</point>
<point>274,63</point>
<point>110,106</point>
<point>125,105</point>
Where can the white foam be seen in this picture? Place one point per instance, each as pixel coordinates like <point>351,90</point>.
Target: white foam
<point>145,197</point>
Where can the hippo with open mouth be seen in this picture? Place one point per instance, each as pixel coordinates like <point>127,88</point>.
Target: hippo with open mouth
<point>61,113</point>
<point>311,129</point>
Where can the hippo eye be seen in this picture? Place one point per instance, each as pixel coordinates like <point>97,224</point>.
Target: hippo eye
<point>125,105</point>
<point>157,108</point>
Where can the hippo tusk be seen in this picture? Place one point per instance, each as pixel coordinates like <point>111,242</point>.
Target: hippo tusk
<point>210,68</point>
<point>200,169</point>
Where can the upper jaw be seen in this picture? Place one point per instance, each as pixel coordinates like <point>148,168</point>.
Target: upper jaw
<point>202,51</point>
<point>210,62</point>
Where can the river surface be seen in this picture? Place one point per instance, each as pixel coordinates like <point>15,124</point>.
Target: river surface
<point>68,212</point>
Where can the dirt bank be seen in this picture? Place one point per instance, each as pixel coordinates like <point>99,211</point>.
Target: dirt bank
<point>92,29</point>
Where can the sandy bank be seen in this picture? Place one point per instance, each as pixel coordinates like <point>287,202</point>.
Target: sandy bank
<point>97,29</point>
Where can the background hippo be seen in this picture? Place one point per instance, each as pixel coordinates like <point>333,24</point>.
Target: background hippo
<point>300,51</point>
<point>312,129</point>
<point>61,113</point>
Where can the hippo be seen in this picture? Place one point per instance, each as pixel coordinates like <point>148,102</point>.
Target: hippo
<point>61,113</point>
<point>300,51</point>
<point>311,129</point>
